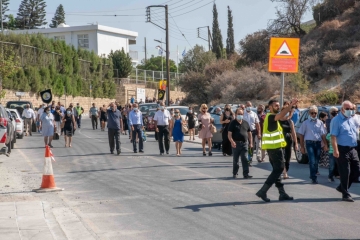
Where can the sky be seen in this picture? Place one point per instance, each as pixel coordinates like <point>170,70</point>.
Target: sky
<point>185,17</point>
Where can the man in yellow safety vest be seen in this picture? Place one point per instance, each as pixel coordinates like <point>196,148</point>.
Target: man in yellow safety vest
<point>273,141</point>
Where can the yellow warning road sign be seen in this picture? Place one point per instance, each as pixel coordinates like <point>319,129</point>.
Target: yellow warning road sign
<point>284,55</point>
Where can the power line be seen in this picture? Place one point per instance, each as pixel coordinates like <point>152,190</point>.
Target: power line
<point>192,10</point>
<point>187,6</point>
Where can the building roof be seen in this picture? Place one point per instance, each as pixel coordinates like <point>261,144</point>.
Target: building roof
<point>61,29</point>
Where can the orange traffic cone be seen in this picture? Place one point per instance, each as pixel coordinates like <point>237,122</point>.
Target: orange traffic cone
<point>48,180</point>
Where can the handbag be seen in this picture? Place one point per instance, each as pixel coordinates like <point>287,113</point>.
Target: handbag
<point>213,129</point>
<point>200,126</point>
<point>184,128</point>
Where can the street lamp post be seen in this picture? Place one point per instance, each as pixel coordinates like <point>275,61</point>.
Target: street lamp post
<point>162,66</point>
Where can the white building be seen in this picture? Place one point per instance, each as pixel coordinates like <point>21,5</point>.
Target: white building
<point>97,38</point>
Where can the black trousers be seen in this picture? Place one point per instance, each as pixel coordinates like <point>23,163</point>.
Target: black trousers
<point>276,157</point>
<point>78,121</point>
<point>94,121</point>
<point>163,138</point>
<point>226,144</point>
<point>241,151</point>
<point>287,152</point>
<point>348,165</point>
<point>114,139</point>
<point>251,150</point>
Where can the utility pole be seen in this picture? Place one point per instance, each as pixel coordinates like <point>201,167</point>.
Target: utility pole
<point>1,10</point>
<point>209,38</point>
<point>148,19</point>
<point>145,50</point>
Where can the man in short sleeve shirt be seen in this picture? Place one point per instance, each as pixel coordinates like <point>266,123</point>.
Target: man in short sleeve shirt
<point>162,119</point>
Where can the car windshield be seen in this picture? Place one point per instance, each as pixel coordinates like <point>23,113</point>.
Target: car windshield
<point>16,104</point>
<point>145,108</point>
<point>183,111</point>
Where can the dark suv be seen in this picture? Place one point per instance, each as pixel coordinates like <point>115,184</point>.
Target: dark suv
<point>6,122</point>
<point>300,158</point>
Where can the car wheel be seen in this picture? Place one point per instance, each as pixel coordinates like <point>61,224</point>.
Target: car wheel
<point>21,136</point>
<point>301,158</point>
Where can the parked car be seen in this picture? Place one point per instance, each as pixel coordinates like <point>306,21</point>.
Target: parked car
<point>183,111</point>
<point>144,107</point>
<point>148,120</point>
<point>300,158</point>
<point>13,124</point>
<point>6,123</point>
<point>217,137</point>
<point>20,105</point>
<point>19,123</point>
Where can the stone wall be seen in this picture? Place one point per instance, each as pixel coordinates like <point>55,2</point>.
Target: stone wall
<point>85,102</point>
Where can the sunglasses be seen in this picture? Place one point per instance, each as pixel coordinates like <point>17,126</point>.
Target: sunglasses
<point>313,113</point>
<point>205,108</point>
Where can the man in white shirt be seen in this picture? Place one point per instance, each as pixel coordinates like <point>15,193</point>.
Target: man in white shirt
<point>40,111</point>
<point>162,120</point>
<point>254,123</point>
<point>29,116</point>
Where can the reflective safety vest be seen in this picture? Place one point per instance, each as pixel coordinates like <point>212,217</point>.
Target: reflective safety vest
<point>272,140</point>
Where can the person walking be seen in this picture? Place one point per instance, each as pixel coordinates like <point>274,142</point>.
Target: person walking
<point>204,128</point>
<point>132,100</point>
<point>190,118</point>
<point>125,120</point>
<point>78,113</point>
<point>136,124</point>
<point>29,116</point>
<point>261,115</point>
<point>103,117</point>
<point>57,118</point>
<point>226,117</point>
<point>40,111</point>
<point>344,131</point>
<point>312,132</point>
<point>273,141</point>
<point>47,126</point>
<point>68,123</point>
<point>254,123</point>
<point>94,115</point>
<point>178,135</point>
<point>240,137</point>
<point>289,133</point>
<point>162,119</point>
<point>115,124</point>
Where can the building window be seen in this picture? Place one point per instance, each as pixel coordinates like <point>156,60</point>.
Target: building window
<point>83,40</point>
<point>62,38</point>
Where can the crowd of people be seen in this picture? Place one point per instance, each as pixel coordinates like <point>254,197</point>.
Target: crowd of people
<point>244,133</point>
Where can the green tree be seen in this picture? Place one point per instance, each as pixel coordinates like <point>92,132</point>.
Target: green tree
<point>196,59</point>
<point>255,47</point>
<point>11,24</point>
<point>59,17</point>
<point>31,14</point>
<point>217,44</point>
<point>154,64</point>
<point>230,42</point>
<point>121,62</point>
<point>5,8</point>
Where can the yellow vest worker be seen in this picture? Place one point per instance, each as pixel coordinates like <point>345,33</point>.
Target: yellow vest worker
<point>273,141</point>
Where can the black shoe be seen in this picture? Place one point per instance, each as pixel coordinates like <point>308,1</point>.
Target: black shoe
<point>135,151</point>
<point>247,176</point>
<point>112,152</point>
<point>283,195</point>
<point>50,145</point>
<point>338,188</point>
<point>210,153</point>
<point>234,176</point>
<point>262,193</point>
<point>314,181</point>
<point>118,151</point>
<point>224,154</point>
<point>347,199</point>
<point>161,154</point>
<point>141,151</point>
<point>167,153</point>
<point>204,153</point>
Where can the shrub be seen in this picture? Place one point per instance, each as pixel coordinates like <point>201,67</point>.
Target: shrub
<point>327,97</point>
<point>331,57</point>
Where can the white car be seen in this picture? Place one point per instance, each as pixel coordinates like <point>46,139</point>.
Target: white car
<point>19,123</point>
<point>183,111</point>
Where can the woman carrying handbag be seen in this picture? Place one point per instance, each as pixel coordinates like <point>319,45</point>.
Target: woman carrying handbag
<point>178,126</point>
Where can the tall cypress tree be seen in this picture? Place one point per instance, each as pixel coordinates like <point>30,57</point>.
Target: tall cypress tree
<point>217,44</point>
<point>230,42</point>
<point>5,8</point>
<point>59,17</point>
<point>31,14</point>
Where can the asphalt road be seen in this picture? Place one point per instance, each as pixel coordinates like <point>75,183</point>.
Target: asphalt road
<point>148,196</point>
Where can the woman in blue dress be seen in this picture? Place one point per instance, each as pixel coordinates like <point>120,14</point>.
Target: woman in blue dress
<point>47,126</point>
<point>177,133</point>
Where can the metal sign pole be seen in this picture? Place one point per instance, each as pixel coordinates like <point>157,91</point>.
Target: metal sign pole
<point>282,89</point>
